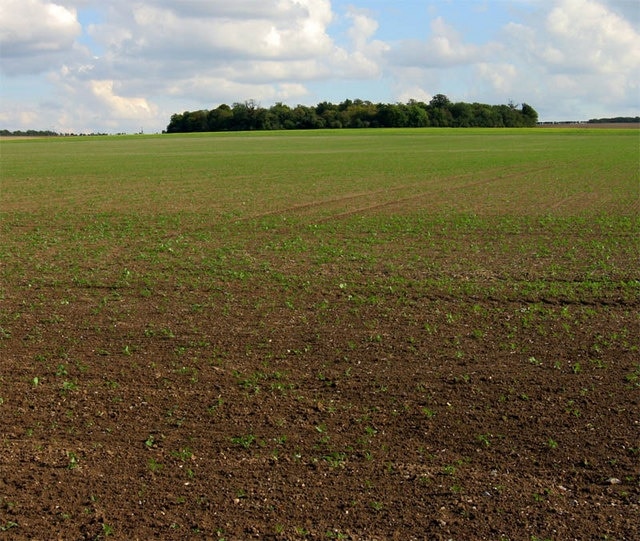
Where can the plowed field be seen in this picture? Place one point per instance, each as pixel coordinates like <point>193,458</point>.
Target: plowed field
<point>428,334</point>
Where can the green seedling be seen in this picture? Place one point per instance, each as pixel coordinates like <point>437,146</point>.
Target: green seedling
<point>244,441</point>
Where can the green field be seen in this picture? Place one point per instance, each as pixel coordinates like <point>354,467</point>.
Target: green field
<point>241,175</point>
<point>345,335</point>
<point>372,195</point>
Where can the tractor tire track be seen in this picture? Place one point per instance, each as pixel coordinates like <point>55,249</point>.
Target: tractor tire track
<point>304,209</point>
<point>438,193</point>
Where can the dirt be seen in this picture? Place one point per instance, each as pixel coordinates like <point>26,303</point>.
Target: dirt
<point>380,409</point>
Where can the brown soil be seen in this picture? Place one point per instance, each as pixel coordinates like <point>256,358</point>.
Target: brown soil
<point>235,409</point>
<point>593,125</point>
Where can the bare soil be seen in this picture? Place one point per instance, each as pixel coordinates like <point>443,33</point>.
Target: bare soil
<point>377,408</point>
<point>594,125</point>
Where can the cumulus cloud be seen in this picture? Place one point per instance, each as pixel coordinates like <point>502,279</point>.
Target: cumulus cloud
<point>502,77</point>
<point>120,106</point>
<point>264,9</point>
<point>287,43</point>
<point>627,9</point>
<point>570,58</point>
<point>413,93</point>
<point>366,58</point>
<point>574,55</point>
<point>444,48</point>
<point>218,31</point>
<point>35,32</point>
<point>204,53</point>
<point>585,36</point>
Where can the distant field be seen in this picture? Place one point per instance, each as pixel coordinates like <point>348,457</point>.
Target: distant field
<point>597,125</point>
<point>366,334</point>
<point>244,175</point>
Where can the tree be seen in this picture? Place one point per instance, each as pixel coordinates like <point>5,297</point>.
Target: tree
<point>176,124</point>
<point>417,116</point>
<point>392,115</point>
<point>440,117</point>
<point>485,116</point>
<point>283,116</point>
<point>439,101</point>
<point>306,118</point>
<point>462,115</point>
<point>439,112</point>
<point>362,113</point>
<point>530,115</point>
<point>330,114</point>
<point>220,119</point>
<point>244,116</point>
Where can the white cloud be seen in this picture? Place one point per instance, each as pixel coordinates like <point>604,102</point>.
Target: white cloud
<point>192,52</point>
<point>33,33</point>
<point>571,59</point>
<point>241,9</point>
<point>414,93</point>
<point>120,106</point>
<point>502,77</point>
<point>231,48</point>
<point>578,56</point>
<point>217,31</point>
<point>230,91</point>
<point>366,58</point>
<point>588,37</point>
<point>444,48</point>
<point>364,27</point>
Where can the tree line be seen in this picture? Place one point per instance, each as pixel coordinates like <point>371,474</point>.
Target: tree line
<point>439,112</point>
<point>615,120</point>
<point>27,133</point>
<point>44,133</point>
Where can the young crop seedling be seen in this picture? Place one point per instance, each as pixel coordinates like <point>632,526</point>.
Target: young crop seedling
<point>244,441</point>
<point>427,412</point>
<point>335,459</point>
<point>215,406</point>
<point>74,461</point>
<point>8,526</point>
<point>154,465</point>
<point>61,370</point>
<point>69,386</point>
<point>484,439</point>
<point>633,378</point>
<point>449,470</point>
<point>183,454</point>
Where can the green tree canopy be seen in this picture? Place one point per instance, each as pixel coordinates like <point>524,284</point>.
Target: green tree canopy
<point>357,113</point>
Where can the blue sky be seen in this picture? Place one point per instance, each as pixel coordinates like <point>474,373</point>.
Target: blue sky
<point>117,66</point>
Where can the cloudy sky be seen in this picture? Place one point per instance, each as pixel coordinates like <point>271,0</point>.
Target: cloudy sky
<point>125,65</point>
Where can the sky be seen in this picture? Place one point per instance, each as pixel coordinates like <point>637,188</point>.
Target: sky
<point>113,66</point>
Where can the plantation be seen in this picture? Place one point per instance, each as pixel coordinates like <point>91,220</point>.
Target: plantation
<point>369,334</point>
